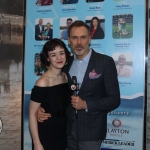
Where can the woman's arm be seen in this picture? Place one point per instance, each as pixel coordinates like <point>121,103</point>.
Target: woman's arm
<point>33,125</point>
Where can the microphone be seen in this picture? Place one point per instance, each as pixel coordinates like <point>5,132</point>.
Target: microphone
<point>75,88</point>
<point>74,85</point>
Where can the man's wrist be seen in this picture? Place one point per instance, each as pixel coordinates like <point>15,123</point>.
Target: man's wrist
<point>86,109</point>
<point>85,106</point>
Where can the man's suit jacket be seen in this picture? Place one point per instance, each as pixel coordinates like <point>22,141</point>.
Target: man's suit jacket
<point>70,1</point>
<point>37,31</point>
<point>101,95</point>
<point>94,1</point>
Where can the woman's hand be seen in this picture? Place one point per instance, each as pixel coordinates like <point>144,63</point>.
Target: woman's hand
<point>38,147</point>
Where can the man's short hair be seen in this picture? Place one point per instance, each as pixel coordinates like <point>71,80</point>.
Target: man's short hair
<point>69,19</point>
<point>78,23</point>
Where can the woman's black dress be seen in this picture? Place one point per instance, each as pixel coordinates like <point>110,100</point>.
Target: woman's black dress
<point>54,100</point>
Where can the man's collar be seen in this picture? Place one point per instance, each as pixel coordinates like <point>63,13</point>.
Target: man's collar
<point>86,58</point>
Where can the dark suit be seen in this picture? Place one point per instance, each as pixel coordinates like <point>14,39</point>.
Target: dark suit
<point>70,1</point>
<point>99,34</point>
<point>94,1</point>
<point>38,32</point>
<point>50,34</point>
<point>101,95</point>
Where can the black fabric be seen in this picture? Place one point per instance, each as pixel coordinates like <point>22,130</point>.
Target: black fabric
<point>54,100</point>
<point>38,32</point>
<point>70,1</point>
<point>99,34</point>
<point>94,1</point>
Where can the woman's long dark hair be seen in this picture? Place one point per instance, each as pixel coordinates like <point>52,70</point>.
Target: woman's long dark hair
<point>98,25</point>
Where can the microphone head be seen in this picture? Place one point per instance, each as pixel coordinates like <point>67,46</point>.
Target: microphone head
<point>74,79</point>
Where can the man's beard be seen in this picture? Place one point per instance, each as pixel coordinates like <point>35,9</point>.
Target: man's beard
<point>80,52</point>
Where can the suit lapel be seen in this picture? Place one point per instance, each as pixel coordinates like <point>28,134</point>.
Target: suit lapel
<point>67,68</point>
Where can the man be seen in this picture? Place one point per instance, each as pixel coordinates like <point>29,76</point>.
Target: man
<point>39,29</point>
<point>121,27</point>
<point>64,34</point>
<point>123,70</point>
<point>98,93</point>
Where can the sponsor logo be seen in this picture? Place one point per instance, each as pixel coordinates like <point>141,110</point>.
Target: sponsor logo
<point>117,131</point>
<point>120,113</point>
<point>116,123</point>
<point>1,126</point>
<point>118,142</point>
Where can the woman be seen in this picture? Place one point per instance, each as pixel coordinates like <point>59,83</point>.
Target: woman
<point>48,32</point>
<point>96,31</point>
<point>52,93</point>
<point>46,2</point>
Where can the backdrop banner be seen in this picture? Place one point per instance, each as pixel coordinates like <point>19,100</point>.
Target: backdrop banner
<point>121,36</point>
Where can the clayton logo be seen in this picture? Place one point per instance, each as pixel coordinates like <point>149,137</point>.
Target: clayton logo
<point>116,123</point>
<point>1,126</point>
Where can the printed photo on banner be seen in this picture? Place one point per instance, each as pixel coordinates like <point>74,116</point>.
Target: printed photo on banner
<point>124,64</point>
<point>97,26</point>
<point>43,29</point>
<point>65,22</point>
<point>122,26</point>
<point>91,1</point>
<point>38,67</point>
<point>44,2</point>
<point>68,1</point>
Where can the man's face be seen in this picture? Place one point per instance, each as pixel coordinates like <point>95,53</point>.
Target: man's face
<point>40,22</point>
<point>69,22</point>
<point>79,41</point>
<point>122,60</point>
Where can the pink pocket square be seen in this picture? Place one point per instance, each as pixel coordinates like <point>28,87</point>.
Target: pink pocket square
<point>93,74</point>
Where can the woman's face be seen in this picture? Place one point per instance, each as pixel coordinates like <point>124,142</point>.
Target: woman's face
<point>57,58</point>
<point>48,26</point>
<point>95,23</point>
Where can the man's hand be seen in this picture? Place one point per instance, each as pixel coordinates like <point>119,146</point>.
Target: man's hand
<point>40,37</point>
<point>41,115</point>
<point>78,103</point>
